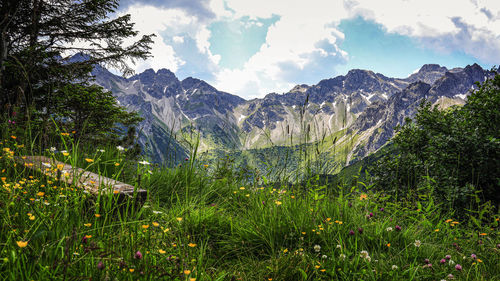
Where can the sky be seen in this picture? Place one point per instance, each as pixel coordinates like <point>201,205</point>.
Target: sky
<point>254,47</point>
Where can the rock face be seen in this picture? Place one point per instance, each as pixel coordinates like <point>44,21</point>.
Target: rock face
<point>377,122</point>
<point>361,108</point>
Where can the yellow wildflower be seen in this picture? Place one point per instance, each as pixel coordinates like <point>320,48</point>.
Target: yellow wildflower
<point>145,226</point>
<point>363,196</point>
<point>187,271</point>
<point>89,160</point>
<point>87,224</point>
<point>192,245</point>
<point>156,224</point>
<point>161,251</point>
<point>22,244</point>
<point>179,219</point>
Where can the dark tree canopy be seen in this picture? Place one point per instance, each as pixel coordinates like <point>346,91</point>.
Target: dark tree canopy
<point>37,41</point>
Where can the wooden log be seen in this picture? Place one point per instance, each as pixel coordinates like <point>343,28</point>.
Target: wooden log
<point>79,177</point>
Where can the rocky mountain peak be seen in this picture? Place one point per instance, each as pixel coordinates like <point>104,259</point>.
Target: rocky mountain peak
<point>432,67</point>
<point>428,73</point>
<point>194,83</point>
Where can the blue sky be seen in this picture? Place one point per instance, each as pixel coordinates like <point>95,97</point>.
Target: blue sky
<point>251,48</point>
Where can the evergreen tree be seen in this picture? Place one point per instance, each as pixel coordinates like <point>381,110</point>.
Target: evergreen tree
<point>37,41</point>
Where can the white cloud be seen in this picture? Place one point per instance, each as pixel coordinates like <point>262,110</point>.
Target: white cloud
<point>178,39</point>
<point>152,20</point>
<point>471,26</point>
<point>291,44</point>
<point>305,39</point>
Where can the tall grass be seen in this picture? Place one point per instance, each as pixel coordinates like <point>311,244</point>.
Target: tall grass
<point>203,222</point>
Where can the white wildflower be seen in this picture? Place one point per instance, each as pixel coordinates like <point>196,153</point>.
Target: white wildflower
<point>53,149</point>
<point>101,150</point>
<point>364,254</point>
<point>342,256</point>
<point>120,148</point>
<point>417,243</point>
<point>324,256</point>
<point>46,165</point>
<point>317,248</point>
<point>144,162</point>
<point>339,247</point>
<point>451,262</point>
<point>389,229</point>
<point>394,267</point>
<point>368,259</point>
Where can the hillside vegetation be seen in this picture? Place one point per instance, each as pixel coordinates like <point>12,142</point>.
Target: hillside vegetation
<point>221,222</point>
<point>428,211</point>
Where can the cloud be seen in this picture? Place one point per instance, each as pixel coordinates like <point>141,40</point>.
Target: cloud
<point>299,46</point>
<point>472,27</point>
<point>176,30</point>
<point>304,44</point>
<point>200,8</point>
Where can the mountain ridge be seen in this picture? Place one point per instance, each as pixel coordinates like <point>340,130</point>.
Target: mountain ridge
<point>361,103</point>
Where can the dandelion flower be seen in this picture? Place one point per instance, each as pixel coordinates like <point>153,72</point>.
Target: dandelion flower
<point>22,244</point>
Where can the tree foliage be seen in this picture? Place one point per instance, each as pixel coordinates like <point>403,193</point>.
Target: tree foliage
<point>38,73</point>
<point>455,151</point>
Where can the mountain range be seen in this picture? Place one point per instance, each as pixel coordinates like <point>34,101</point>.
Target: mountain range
<point>346,117</point>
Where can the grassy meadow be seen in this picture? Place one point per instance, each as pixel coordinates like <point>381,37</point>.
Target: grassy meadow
<point>214,222</point>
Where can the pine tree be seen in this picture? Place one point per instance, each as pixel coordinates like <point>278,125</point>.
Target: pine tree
<point>38,39</point>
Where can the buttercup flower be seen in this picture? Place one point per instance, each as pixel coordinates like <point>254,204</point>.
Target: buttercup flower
<point>22,244</point>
